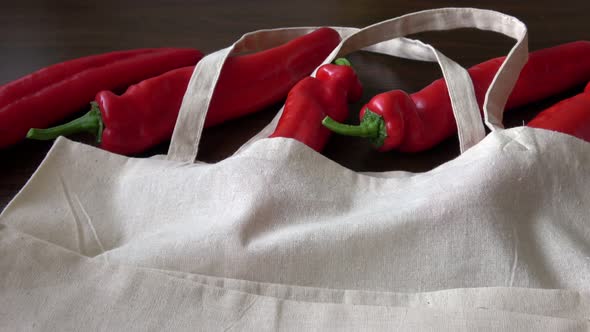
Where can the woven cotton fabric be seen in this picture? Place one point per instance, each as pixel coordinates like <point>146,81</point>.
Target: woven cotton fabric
<point>278,237</point>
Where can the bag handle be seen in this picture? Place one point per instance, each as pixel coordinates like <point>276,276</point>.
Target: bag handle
<point>454,18</point>
<point>384,38</point>
<point>193,110</point>
<point>191,118</point>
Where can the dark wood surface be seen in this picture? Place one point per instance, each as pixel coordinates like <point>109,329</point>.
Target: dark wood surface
<point>34,34</point>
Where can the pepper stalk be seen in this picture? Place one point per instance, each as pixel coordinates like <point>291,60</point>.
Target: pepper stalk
<point>90,122</point>
<point>372,126</point>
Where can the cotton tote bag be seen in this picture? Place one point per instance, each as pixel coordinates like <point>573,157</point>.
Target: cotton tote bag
<point>278,237</point>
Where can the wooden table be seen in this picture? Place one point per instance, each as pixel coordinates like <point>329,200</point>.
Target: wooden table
<point>34,34</point>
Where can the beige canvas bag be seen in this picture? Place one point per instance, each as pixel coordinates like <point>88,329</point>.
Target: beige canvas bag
<point>278,237</point>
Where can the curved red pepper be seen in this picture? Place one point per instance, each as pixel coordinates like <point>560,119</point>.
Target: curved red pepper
<point>146,113</point>
<point>417,122</point>
<point>55,92</point>
<point>570,116</point>
<point>49,75</point>
<point>314,98</point>
<point>251,82</point>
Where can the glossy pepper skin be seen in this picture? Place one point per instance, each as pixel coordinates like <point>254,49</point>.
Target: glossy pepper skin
<point>251,82</point>
<point>146,113</point>
<point>51,94</point>
<point>570,116</point>
<point>417,122</point>
<point>314,98</point>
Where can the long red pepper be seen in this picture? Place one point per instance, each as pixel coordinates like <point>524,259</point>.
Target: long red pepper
<point>55,92</point>
<point>411,123</point>
<point>312,99</point>
<point>146,113</point>
<point>49,75</point>
<point>570,116</point>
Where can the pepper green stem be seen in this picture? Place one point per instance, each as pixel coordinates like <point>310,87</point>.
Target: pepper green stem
<point>342,62</point>
<point>372,126</point>
<point>90,122</point>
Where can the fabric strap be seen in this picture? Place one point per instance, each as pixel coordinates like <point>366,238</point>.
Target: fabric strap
<point>383,37</point>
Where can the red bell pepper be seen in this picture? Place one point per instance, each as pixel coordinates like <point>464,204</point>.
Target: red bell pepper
<point>314,98</point>
<point>570,116</point>
<point>412,123</point>
<point>146,113</point>
<point>58,91</point>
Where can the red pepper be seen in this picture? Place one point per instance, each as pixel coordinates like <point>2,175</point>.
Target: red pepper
<point>250,83</point>
<point>417,122</point>
<point>314,98</point>
<point>570,116</point>
<point>146,113</point>
<point>51,94</point>
<point>57,72</point>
